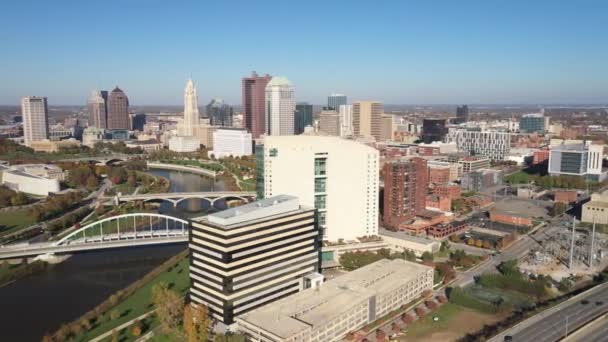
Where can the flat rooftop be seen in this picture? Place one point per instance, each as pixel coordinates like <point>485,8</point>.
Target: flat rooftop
<point>313,308</point>
<point>266,207</point>
<point>405,236</point>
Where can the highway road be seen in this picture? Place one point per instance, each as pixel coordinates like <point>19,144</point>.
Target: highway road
<point>561,320</point>
<point>596,331</point>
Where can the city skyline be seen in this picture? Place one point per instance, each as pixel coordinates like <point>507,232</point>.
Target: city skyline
<point>425,54</point>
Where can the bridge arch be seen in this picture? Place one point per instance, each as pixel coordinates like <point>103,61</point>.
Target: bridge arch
<point>65,239</point>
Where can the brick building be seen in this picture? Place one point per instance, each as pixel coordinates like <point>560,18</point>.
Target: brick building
<point>540,156</point>
<point>405,190</point>
<point>439,175</point>
<point>446,229</point>
<point>565,196</point>
<point>452,191</point>
<point>442,203</point>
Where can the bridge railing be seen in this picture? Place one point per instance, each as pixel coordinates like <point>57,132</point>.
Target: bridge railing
<point>127,226</point>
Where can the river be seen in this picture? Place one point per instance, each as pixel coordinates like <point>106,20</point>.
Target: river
<point>40,303</point>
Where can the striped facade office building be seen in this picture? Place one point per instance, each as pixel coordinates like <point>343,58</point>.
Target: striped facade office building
<point>248,256</point>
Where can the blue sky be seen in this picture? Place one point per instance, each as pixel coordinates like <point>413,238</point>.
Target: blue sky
<point>399,52</point>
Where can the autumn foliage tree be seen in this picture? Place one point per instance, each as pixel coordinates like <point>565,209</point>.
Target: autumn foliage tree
<point>196,323</point>
<point>169,307</point>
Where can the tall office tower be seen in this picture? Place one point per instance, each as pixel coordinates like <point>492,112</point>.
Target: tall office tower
<point>462,114</point>
<point>329,122</point>
<point>98,109</point>
<point>191,115</point>
<point>118,110</point>
<point>280,107</point>
<point>337,176</point>
<point>346,120</point>
<point>220,113</point>
<point>387,127</point>
<point>433,130</point>
<point>246,257</point>
<point>334,101</point>
<point>254,103</point>
<point>405,190</point>
<point>35,114</point>
<point>138,121</point>
<point>303,117</point>
<point>367,116</point>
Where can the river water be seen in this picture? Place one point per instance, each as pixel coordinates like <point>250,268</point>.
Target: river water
<point>38,304</point>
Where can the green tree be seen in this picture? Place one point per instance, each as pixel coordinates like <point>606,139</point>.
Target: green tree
<point>196,323</point>
<point>19,199</point>
<point>427,257</point>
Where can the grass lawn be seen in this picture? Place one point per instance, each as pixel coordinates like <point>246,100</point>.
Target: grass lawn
<point>520,177</point>
<point>15,220</point>
<point>454,322</point>
<point>140,302</point>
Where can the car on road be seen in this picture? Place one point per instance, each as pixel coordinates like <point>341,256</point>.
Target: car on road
<point>599,303</point>
<point>584,302</point>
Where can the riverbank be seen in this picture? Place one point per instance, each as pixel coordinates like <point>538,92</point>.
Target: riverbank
<point>125,305</point>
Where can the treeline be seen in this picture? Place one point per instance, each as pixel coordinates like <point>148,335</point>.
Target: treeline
<point>55,205</point>
<point>9,197</point>
<point>549,182</point>
<point>459,296</point>
<point>68,220</point>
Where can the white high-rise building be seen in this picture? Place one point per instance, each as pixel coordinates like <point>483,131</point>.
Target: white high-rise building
<point>191,115</point>
<point>234,142</point>
<point>338,177</point>
<point>280,107</point>
<point>346,120</point>
<point>35,119</point>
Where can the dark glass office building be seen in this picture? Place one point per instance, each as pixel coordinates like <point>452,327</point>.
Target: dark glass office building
<point>303,117</point>
<point>433,130</point>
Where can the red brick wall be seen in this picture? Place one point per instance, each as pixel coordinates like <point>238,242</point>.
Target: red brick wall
<point>509,219</point>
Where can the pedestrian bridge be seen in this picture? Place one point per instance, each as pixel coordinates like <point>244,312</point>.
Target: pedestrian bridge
<point>127,230</point>
<point>177,197</point>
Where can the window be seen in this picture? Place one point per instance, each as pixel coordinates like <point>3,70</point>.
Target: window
<point>320,184</point>
<point>274,152</point>
<point>320,166</point>
<point>320,201</point>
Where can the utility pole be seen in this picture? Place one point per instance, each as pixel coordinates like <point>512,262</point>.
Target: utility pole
<point>572,243</point>
<point>592,243</point>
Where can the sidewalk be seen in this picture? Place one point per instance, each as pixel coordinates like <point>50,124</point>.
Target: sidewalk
<point>121,327</point>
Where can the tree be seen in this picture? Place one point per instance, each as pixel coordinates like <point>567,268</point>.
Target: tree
<point>47,338</point>
<point>19,199</point>
<point>169,307</point>
<point>427,257</point>
<point>92,182</point>
<point>114,315</point>
<point>445,246</point>
<point>196,323</point>
<point>137,328</point>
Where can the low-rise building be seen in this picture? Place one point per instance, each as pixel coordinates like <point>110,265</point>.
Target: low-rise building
<point>596,210</point>
<point>234,142</point>
<point>517,212</point>
<point>444,230</point>
<point>184,144</point>
<point>565,196</point>
<point>343,304</point>
<point>452,191</point>
<point>399,241</point>
<point>146,145</point>
<point>92,135</point>
<point>50,146</point>
<point>439,175</point>
<point>481,179</point>
<point>584,160</point>
<point>19,179</point>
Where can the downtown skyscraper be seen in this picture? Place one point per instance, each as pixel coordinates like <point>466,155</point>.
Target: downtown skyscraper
<point>334,101</point>
<point>98,109</point>
<point>191,114</point>
<point>253,97</point>
<point>367,119</point>
<point>303,117</point>
<point>118,110</point>
<point>35,119</point>
<point>219,113</point>
<point>280,107</point>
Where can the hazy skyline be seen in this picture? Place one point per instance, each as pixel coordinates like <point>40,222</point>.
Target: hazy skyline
<point>398,52</point>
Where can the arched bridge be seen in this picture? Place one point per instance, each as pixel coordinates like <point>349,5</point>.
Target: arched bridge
<point>127,230</point>
<point>177,197</point>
